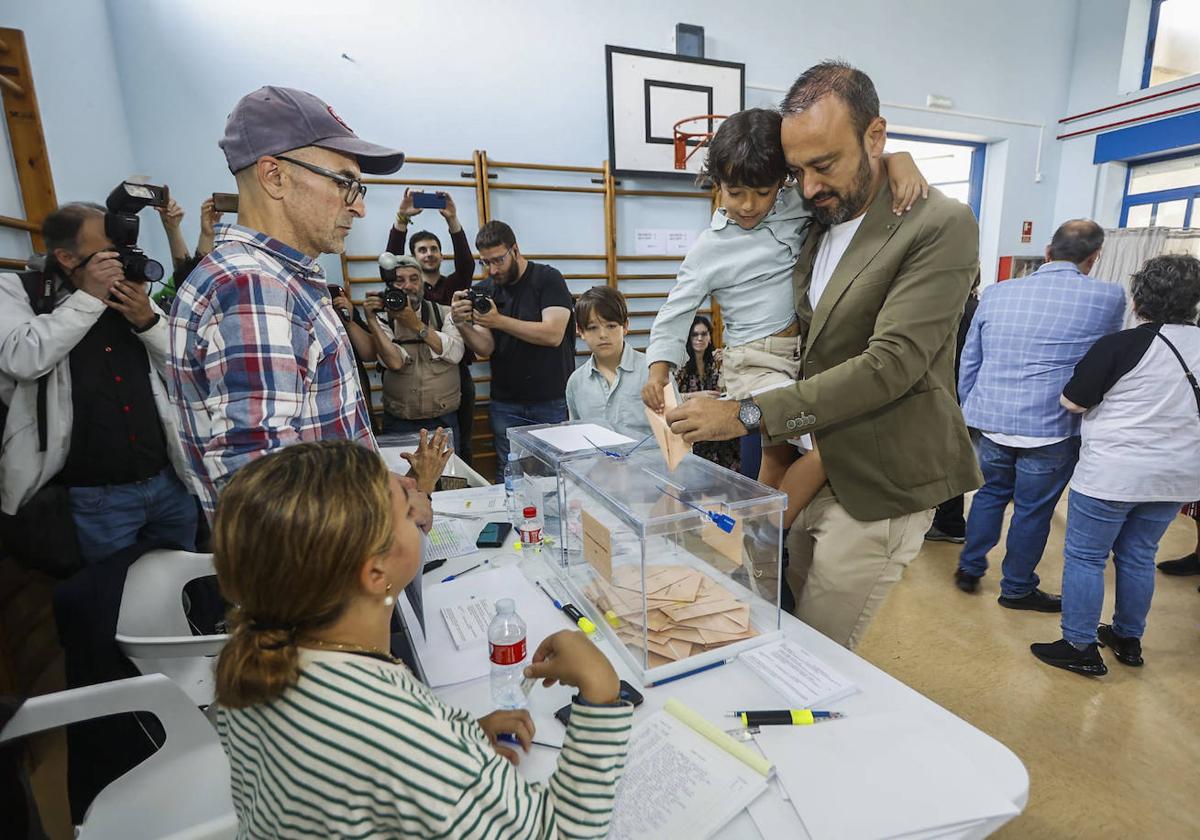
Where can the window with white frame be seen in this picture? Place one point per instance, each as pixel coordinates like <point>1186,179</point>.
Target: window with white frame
<point>1163,193</point>
<point>1173,42</point>
<point>953,166</point>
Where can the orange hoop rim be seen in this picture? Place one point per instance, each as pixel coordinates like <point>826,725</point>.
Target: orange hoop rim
<point>682,137</point>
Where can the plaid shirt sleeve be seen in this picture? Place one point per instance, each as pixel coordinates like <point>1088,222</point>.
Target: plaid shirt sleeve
<point>258,369</point>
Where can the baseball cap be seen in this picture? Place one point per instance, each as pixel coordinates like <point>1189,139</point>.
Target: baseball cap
<point>274,119</point>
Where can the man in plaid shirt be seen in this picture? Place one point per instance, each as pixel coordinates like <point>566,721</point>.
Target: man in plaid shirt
<point>1022,348</point>
<point>258,358</point>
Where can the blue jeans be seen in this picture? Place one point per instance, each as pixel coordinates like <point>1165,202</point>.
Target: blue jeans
<point>1130,531</point>
<point>115,516</point>
<point>504,415</point>
<point>399,426</point>
<point>1033,480</point>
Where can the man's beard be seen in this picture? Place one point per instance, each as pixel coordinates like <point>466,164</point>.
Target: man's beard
<point>509,276</point>
<point>432,266</point>
<point>846,205</point>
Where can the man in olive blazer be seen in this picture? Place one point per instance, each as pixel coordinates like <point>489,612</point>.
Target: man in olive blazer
<point>877,392</point>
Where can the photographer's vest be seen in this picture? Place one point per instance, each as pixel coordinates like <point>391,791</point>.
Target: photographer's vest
<point>427,387</point>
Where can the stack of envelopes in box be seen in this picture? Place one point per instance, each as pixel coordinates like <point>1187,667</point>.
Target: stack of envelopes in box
<point>687,612</point>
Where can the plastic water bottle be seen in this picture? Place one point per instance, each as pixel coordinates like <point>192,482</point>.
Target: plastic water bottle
<point>530,532</point>
<point>506,649</point>
<point>514,480</point>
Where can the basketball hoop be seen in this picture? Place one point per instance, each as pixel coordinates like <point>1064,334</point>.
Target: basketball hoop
<point>696,137</point>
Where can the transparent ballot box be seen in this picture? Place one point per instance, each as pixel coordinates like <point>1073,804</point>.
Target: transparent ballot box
<point>680,569</point>
<point>542,449</point>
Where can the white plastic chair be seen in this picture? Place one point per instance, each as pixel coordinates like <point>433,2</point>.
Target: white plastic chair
<point>180,792</point>
<point>153,630</point>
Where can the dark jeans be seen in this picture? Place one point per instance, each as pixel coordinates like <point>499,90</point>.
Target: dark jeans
<point>948,518</point>
<point>1033,480</point>
<point>466,414</point>
<point>393,425</point>
<point>111,517</point>
<point>751,454</point>
<point>504,415</point>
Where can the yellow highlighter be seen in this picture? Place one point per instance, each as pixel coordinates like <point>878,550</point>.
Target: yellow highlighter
<point>784,717</point>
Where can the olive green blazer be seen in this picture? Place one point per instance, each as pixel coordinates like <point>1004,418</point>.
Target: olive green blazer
<point>877,386</point>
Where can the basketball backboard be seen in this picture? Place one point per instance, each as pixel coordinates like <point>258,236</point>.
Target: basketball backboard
<point>649,92</point>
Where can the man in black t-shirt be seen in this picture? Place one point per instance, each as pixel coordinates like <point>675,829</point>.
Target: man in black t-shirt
<point>525,326</point>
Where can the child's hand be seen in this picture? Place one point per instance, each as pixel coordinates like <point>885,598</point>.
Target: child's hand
<point>908,184</point>
<point>652,391</point>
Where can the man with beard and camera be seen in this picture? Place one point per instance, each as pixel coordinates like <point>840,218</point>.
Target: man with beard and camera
<point>522,316</point>
<point>878,298</point>
<point>82,357</point>
<point>419,347</point>
<point>259,358</point>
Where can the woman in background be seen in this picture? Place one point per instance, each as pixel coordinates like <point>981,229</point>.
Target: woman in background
<point>700,376</point>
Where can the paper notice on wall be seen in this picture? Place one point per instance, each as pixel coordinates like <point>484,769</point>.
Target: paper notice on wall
<point>649,242</point>
<point>679,242</point>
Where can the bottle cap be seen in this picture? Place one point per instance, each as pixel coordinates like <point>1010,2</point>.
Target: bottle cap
<point>505,605</point>
<point>530,511</point>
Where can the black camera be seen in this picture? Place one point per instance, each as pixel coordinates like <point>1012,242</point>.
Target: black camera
<point>481,301</point>
<point>121,226</point>
<point>397,300</point>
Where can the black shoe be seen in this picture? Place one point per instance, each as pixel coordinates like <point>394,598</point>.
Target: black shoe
<point>936,534</point>
<point>1187,565</point>
<point>1128,651</point>
<point>965,581</point>
<point>1063,654</point>
<point>1036,600</point>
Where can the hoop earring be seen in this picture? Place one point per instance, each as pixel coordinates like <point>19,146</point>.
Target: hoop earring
<point>388,600</point>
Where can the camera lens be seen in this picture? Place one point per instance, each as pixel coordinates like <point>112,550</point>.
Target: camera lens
<point>395,299</point>
<point>483,303</point>
<point>138,267</point>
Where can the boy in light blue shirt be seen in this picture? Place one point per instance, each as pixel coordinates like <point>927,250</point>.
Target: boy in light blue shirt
<point>607,388</point>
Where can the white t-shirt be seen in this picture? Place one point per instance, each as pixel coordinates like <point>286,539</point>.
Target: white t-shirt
<point>1141,434</point>
<point>829,253</point>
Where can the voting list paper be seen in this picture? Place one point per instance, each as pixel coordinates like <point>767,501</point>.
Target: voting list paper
<point>448,538</point>
<point>678,784</point>
<point>580,436</point>
<point>468,622</point>
<point>807,682</point>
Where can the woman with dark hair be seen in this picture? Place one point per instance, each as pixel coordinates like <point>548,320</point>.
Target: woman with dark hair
<point>327,734</point>
<point>1139,460</point>
<point>700,376</point>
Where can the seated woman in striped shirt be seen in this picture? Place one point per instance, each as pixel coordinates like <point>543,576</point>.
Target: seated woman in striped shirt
<point>327,734</point>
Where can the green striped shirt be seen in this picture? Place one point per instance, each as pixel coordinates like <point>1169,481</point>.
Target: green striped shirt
<point>359,748</point>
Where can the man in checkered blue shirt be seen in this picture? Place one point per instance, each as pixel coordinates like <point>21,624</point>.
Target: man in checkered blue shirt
<point>1021,350</point>
<point>258,357</point>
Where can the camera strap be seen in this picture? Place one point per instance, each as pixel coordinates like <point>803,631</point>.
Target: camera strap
<point>39,286</point>
<point>1187,372</point>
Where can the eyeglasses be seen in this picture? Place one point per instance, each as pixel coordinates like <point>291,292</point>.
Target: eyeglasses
<point>354,188</point>
<point>496,261</point>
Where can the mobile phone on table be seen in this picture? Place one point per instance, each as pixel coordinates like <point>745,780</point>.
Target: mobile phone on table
<point>493,534</point>
<point>431,201</point>
<point>627,692</point>
<point>225,202</point>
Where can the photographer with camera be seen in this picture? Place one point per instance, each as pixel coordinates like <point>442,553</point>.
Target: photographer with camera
<point>522,316</point>
<point>419,347</point>
<point>82,355</point>
<point>259,358</point>
<point>439,288</point>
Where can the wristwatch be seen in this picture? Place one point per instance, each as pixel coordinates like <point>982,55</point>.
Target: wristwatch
<point>423,334</point>
<point>749,414</point>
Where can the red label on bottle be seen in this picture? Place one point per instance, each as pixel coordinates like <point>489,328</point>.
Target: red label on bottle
<point>530,536</point>
<point>507,654</point>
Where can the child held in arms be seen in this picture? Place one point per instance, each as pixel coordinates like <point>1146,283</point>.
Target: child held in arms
<point>744,260</point>
<point>607,387</point>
